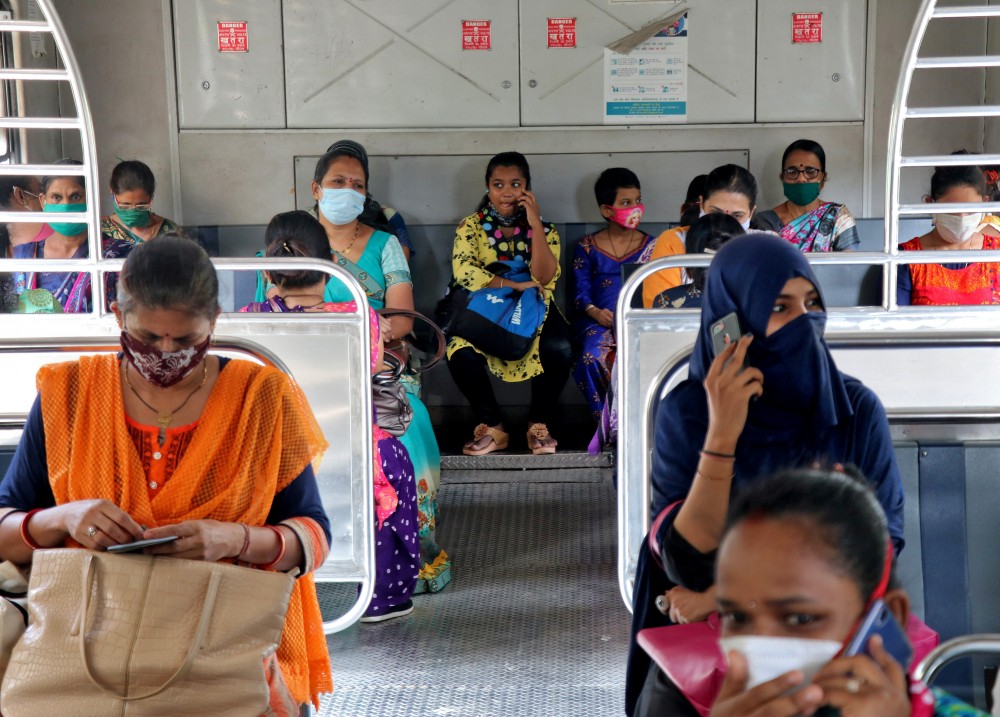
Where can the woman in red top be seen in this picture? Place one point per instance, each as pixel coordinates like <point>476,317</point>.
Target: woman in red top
<point>953,284</point>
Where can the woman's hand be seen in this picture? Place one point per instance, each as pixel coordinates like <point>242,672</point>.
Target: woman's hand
<point>530,204</point>
<point>210,540</point>
<point>385,326</point>
<point>730,387</point>
<point>863,686</point>
<point>94,524</point>
<point>604,317</point>
<point>689,606</point>
<point>768,699</point>
<point>525,285</point>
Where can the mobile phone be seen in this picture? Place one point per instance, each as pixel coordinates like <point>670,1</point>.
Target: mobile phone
<point>140,544</point>
<point>725,331</point>
<point>879,620</point>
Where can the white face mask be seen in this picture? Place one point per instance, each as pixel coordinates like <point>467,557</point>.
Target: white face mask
<point>769,657</point>
<point>956,229</point>
<point>745,225</point>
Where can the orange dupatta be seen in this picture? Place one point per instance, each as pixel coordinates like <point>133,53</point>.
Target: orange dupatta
<point>256,434</point>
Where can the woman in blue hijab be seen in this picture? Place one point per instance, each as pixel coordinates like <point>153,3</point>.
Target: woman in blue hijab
<point>771,401</point>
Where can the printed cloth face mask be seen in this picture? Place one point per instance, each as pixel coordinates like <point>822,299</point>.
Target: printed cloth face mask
<point>163,368</point>
<point>341,206</point>
<point>628,217</point>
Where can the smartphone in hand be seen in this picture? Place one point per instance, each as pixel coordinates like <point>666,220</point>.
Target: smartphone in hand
<point>725,331</point>
<point>879,620</point>
<point>140,544</point>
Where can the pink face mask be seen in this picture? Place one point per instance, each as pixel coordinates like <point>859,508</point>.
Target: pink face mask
<point>163,368</point>
<point>628,217</point>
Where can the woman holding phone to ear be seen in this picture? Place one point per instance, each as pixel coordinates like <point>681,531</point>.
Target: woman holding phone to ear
<point>711,438</point>
<point>803,559</point>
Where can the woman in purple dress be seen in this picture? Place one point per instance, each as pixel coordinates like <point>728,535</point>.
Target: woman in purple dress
<point>597,270</point>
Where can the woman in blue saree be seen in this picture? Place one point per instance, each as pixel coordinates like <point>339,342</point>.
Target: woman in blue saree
<point>804,220</point>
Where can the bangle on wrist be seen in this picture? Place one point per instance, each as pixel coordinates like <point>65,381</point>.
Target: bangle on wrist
<point>715,479</point>
<point>720,456</point>
<point>9,513</point>
<point>25,535</point>
<point>281,548</point>
<point>246,542</point>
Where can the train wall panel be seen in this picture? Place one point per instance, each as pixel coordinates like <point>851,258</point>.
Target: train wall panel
<point>232,88</point>
<point>809,72</point>
<point>396,63</point>
<point>565,86</point>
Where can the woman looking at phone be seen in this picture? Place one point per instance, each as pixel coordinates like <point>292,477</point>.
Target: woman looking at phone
<point>165,439</point>
<point>713,436</point>
<point>802,561</point>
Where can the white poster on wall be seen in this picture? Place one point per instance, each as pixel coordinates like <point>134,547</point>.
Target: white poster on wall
<point>649,83</point>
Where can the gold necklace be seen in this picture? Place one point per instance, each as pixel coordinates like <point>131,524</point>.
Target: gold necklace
<point>357,226</point>
<point>164,419</point>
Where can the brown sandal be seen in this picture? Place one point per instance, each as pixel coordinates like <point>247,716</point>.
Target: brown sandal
<point>499,442</point>
<point>537,434</point>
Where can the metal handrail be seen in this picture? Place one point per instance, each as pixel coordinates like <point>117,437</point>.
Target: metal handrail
<point>55,333</point>
<point>929,667</point>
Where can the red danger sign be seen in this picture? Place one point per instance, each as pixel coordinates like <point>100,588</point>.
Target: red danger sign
<point>476,34</point>
<point>233,37</point>
<point>562,32</point>
<point>807,27</point>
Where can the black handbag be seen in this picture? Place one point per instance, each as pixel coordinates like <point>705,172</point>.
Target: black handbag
<point>393,412</point>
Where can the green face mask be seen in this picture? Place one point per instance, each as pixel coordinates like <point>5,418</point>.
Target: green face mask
<point>133,217</point>
<point>801,193</point>
<point>67,228</point>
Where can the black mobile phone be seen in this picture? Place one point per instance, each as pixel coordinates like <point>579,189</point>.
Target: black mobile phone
<point>725,331</point>
<point>140,544</point>
<point>879,620</point>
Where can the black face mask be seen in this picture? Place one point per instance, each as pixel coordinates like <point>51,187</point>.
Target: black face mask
<point>793,361</point>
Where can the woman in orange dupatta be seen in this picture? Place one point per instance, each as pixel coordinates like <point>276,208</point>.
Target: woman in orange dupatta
<point>166,439</point>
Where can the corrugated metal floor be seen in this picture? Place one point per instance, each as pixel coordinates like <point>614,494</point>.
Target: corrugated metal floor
<point>532,623</point>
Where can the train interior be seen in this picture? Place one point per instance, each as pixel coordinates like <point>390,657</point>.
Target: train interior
<point>536,619</point>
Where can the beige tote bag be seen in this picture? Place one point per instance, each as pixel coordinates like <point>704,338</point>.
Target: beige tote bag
<point>144,636</point>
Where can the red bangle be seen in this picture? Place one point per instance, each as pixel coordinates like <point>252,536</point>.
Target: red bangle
<point>246,542</point>
<point>25,535</point>
<point>281,548</point>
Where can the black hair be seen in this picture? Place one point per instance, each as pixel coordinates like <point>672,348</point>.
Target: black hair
<point>841,511</point>
<point>691,207</point>
<point>806,145</point>
<point>8,184</point>
<point>296,233</point>
<point>173,272</point>
<point>731,178</point>
<point>130,174</point>
<point>332,155</point>
<point>46,181</point>
<point>611,180</point>
<point>709,232</point>
<point>506,159</point>
<point>945,178</point>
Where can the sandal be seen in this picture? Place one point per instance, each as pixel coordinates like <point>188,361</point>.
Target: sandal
<point>499,442</point>
<point>538,434</point>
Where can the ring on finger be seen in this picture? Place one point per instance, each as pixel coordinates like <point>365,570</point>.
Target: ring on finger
<point>91,531</point>
<point>662,604</point>
<point>854,685</point>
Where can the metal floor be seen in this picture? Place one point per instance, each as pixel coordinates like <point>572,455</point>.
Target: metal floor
<point>532,623</point>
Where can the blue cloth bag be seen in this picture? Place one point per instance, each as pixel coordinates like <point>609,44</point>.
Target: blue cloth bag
<point>502,322</point>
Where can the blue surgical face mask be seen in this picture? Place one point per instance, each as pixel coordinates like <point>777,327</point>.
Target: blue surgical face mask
<point>67,228</point>
<point>341,206</point>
